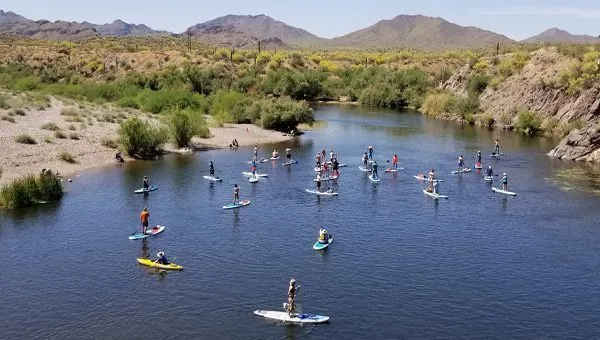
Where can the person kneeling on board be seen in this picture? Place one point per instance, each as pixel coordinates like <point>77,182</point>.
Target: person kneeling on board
<point>323,236</point>
<point>162,259</point>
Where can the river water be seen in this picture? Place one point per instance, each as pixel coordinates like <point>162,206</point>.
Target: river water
<point>403,266</point>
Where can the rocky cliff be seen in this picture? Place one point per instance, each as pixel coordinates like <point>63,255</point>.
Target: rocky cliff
<point>536,87</point>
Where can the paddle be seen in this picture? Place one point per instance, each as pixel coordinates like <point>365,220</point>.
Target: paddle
<point>138,228</point>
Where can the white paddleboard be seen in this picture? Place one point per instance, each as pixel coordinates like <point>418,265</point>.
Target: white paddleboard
<point>290,163</point>
<point>436,196</point>
<point>274,158</point>
<point>342,165</point>
<point>323,179</point>
<point>149,232</point>
<point>293,318</point>
<point>235,206</point>
<point>374,180</point>
<point>496,155</point>
<point>504,192</point>
<point>422,178</point>
<point>461,171</point>
<point>321,193</point>
<point>144,191</point>
<point>362,168</point>
<point>264,160</point>
<point>488,178</point>
<point>253,180</point>
<point>214,179</point>
<point>249,174</point>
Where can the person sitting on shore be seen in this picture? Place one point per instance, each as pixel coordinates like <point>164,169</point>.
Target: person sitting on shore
<point>119,157</point>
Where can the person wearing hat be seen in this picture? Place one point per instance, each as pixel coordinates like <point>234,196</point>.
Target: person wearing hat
<point>146,184</point>
<point>292,291</point>
<point>504,182</point>
<point>162,259</point>
<point>497,147</point>
<point>323,236</point>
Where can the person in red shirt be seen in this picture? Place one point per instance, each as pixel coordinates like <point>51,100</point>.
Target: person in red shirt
<point>395,161</point>
<point>144,217</point>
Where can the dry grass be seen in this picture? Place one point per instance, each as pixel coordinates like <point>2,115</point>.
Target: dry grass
<point>25,139</point>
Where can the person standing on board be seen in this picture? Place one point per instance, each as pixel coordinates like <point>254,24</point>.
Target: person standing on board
<point>395,161</point>
<point>288,154</point>
<point>436,187</point>
<point>479,157</point>
<point>489,172</point>
<point>504,182</point>
<point>365,160</point>
<point>370,149</point>
<point>146,184</point>
<point>256,151</point>
<point>292,291</point>
<point>211,169</point>
<point>319,182</point>
<point>497,147</point>
<point>144,217</point>
<point>461,163</point>
<point>375,174</point>
<point>236,194</point>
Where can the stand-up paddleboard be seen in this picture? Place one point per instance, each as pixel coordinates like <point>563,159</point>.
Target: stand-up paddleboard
<point>143,190</point>
<point>149,232</point>
<point>478,166</point>
<point>333,177</point>
<point>317,169</point>
<point>423,178</point>
<point>290,163</point>
<point>150,263</point>
<point>374,180</point>
<point>214,179</point>
<point>253,179</point>
<point>461,171</point>
<point>362,168</point>
<point>264,160</point>
<point>496,155</point>
<point>342,165</point>
<point>249,174</point>
<point>323,179</point>
<point>321,193</point>
<point>235,206</point>
<point>436,196</point>
<point>274,158</point>
<point>320,246</point>
<point>293,318</point>
<point>392,170</point>
<point>504,192</point>
<point>488,178</point>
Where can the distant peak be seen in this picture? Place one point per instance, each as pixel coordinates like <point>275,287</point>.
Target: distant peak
<point>119,21</point>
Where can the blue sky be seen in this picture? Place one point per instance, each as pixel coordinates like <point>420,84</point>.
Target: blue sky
<point>327,18</point>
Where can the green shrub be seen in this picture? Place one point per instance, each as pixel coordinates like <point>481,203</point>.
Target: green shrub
<point>129,102</point>
<point>109,143</point>
<point>19,112</point>
<point>185,124</point>
<point>437,103</point>
<point>4,102</point>
<point>477,84</point>
<point>529,122</point>
<point>67,157</point>
<point>27,84</point>
<point>486,120</point>
<point>467,108</point>
<point>29,190</point>
<point>60,135</point>
<point>284,114</point>
<point>8,119</point>
<point>141,139</point>
<point>25,139</point>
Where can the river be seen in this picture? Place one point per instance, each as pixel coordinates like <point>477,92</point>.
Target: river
<point>402,266</point>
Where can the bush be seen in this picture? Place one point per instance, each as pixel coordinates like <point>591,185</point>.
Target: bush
<point>60,135</point>
<point>477,84</point>
<point>529,122</point>
<point>29,190</point>
<point>282,114</point>
<point>25,139</point>
<point>69,111</point>
<point>486,120</point>
<point>467,108</point>
<point>129,102</point>
<point>141,139</point>
<point>437,103</point>
<point>67,157</point>
<point>74,136</point>
<point>4,102</point>
<point>48,139</point>
<point>109,143</point>
<point>8,119</point>
<point>19,112</point>
<point>185,124</point>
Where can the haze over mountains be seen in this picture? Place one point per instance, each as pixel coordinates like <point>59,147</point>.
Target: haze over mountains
<point>404,31</point>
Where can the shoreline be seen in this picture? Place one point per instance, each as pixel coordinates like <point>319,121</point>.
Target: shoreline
<point>87,136</point>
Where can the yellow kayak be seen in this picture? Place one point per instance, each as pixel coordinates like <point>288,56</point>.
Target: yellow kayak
<point>151,263</point>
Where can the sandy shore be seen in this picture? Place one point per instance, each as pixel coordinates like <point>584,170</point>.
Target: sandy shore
<point>96,125</point>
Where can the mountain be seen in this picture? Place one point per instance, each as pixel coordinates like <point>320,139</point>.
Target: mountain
<point>238,28</point>
<point>419,32</point>
<point>10,18</point>
<point>44,29</point>
<point>119,28</point>
<point>555,35</point>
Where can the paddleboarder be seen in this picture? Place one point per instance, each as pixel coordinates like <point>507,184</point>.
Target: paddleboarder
<point>365,161</point>
<point>236,194</point>
<point>478,156</point>
<point>497,147</point>
<point>256,151</point>
<point>489,172</point>
<point>323,236</point>
<point>288,154</point>
<point>461,163</point>
<point>275,154</point>
<point>504,182</point>
<point>319,182</point>
<point>436,187</point>
<point>431,175</point>
<point>162,259</point>
<point>146,184</point>
<point>335,167</point>
<point>292,291</point>
<point>395,161</point>
<point>332,155</point>
<point>144,217</point>
<point>375,174</point>
<point>211,170</point>
<point>370,149</point>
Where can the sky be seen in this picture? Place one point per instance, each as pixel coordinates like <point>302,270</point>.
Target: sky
<point>327,18</point>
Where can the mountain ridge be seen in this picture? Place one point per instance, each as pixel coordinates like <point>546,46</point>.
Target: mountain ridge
<point>556,35</point>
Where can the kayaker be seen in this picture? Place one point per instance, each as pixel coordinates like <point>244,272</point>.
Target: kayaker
<point>395,161</point>
<point>146,184</point>
<point>504,182</point>
<point>365,161</point>
<point>288,154</point>
<point>489,172</point>
<point>436,187</point>
<point>370,149</point>
<point>236,194</point>
<point>162,259</point>
<point>319,181</point>
<point>461,163</point>
<point>478,156</point>
<point>144,217</point>
<point>323,235</point>
<point>211,169</point>
<point>375,174</point>
<point>275,154</point>
<point>497,147</point>
<point>292,291</point>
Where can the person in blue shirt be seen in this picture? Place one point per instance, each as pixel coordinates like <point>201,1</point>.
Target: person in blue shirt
<point>211,170</point>
<point>370,152</point>
<point>375,174</point>
<point>162,259</point>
